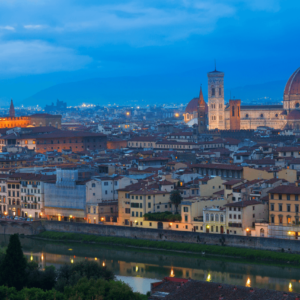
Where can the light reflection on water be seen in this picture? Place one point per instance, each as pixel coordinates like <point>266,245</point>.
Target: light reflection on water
<point>140,269</point>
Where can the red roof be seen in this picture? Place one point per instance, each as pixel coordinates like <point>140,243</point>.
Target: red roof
<point>292,86</point>
<point>193,106</point>
<point>293,115</point>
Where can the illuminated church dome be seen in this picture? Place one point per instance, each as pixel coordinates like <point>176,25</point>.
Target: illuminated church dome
<point>293,85</point>
<point>193,106</point>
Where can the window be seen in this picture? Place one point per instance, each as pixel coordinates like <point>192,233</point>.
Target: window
<point>211,217</point>
<point>105,183</point>
<point>127,210</point>
<point>149,204</point>
<point>288,197</point>
<point>93,185</point>
<point>149,197</point>
<point>222,218</point>
<point>132,213</point>
<point>213,92</point>
<point>185,209</point>
<point>141,214</point>
<point>261,115</point>
<point>185,218</point>
<point>220,91</point>
<point>253,208</point>
<point>296,197</point>
<point>217,218</point>
<point>207,217</point>
<point>272,207</point>
<point>280,219</point>
<point>280,197</point>
<point>137,214</point>
<point>280,207</point>
<point>234,216</point>
<point>272,196</point>
<point>297,208</point>
<point>239,217</point>
<point>272,219</point>
<point>288,208</point>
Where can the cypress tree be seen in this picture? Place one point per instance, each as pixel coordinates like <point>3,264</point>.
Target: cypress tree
<point>13,267</point>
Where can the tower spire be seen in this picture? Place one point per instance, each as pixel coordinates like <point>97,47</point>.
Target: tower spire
<point>201,98</point>
<point>12,109</point>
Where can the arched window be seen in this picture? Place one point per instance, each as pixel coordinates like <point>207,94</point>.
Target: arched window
<point>297,105</point>
<point>213,92</point>
<point>222,218</point>
<point>247,116</point>
<point>261,115</point>
<point>93,184</point>
<point>276,116</point>
<point>212,217</point>
<point>217,218</point>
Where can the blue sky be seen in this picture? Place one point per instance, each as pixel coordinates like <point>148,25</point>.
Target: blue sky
<point>47,42</point>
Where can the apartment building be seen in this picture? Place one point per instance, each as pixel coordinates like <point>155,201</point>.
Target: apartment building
<point>284,212</point>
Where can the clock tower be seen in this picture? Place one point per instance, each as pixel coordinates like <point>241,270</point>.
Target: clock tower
<point>216,108</point>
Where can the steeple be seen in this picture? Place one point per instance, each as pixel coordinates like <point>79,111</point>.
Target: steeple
<point>11,109</point>
<point>201,102</point>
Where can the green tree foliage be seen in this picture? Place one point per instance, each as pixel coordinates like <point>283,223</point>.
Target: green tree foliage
<point>45,280</point>
<point>13,266</point>
<point>69,275</point>
<point>101,290</point>
<point>176,198</point>
<point>164,216</point>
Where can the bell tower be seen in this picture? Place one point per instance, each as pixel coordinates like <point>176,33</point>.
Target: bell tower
<point>11,109</point>
<point>216,109</point>
<point>201,113</point>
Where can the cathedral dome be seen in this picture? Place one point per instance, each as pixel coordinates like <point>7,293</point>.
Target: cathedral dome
<point>193,106</point>
<point>293,115</point>
<point>292,87</point>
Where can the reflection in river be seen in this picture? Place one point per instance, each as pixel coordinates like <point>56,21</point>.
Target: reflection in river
<point>140,268</point>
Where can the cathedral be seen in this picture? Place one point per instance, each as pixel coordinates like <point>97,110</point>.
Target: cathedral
<point>235,116</point>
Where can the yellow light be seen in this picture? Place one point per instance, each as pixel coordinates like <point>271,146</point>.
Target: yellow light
<point>71,216</point>
<point>135,221</point>
<point>31,257</point>
<point>172,273</point>
<point>207,226</point>
<point>96,258</point>
<point>136,268</point>
<point>70,249</point>
<point>103,265</point>
<point>127,113</point>
<point>72,261</point>
<point>208,277</point>
<point>247,229</point>
<point>177,115</point>
<point>171,224</point>
<point>248,283</point>
<point>42,257</point>
<point>290,287</point>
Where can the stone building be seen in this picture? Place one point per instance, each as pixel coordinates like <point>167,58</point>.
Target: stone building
<point>236,116</point>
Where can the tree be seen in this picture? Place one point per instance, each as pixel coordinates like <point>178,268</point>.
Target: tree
<point>176,198</point>
<point>69,275</point>
<point>13,266</point>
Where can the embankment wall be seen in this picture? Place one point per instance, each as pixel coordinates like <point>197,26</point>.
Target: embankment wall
<point>174,236</point>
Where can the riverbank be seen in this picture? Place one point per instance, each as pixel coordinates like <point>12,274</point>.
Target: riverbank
<point>201,249</point>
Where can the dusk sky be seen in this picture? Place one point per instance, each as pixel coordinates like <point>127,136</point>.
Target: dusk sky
<point>49,42</point>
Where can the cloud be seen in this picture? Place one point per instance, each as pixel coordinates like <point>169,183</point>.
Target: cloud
<point>34,26</point>
<point>36,57</point>
<point>7,28</point>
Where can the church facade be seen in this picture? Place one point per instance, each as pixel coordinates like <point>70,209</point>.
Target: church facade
<point>235,116</point>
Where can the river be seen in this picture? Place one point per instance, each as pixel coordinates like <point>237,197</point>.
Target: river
<point>139,268</point>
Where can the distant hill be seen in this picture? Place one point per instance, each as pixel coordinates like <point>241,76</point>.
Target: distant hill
<point>147,90</point>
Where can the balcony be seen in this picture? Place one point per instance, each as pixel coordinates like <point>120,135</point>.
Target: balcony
<point>236,225</point>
